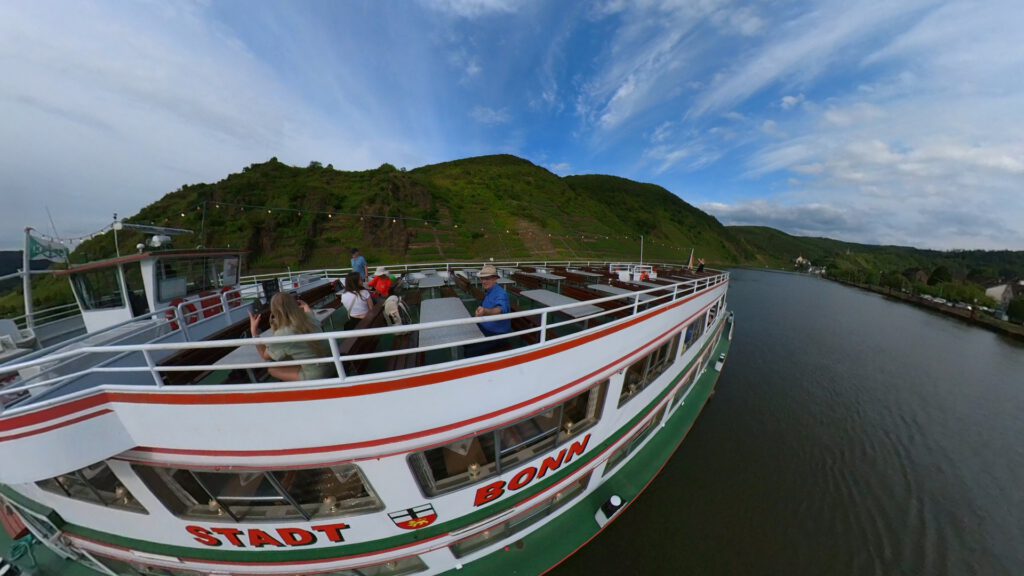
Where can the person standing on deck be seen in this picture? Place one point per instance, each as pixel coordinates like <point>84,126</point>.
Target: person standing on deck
<point>495,302</point>
<point>359,265</point>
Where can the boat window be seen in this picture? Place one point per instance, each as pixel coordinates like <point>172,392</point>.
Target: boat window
<point>310,493</point>
<point>626,449</point>
<point>520,521</point>
<point>695,329</point>
<point>123,568</point>
<point>98,289</point>
<point>136,289</point>
<point>687,381</point>
<point>461,463</point>
<point>641,373</point>
<point>95,483</point>
<point>180,277</point>
<point>410,565</point>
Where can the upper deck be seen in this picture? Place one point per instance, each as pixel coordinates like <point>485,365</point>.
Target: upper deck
<point>189,386</point>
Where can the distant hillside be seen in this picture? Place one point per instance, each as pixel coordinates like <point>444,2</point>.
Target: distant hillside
<point>773,248</point>
<point>491,206</point>
<point>500,207</point>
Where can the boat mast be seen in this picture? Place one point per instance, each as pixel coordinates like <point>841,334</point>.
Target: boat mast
<point>26,279</point>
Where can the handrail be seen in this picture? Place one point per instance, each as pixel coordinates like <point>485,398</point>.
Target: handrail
<point>674,292</point>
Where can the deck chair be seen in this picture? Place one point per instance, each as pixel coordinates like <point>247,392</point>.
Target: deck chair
<point>22,337</point>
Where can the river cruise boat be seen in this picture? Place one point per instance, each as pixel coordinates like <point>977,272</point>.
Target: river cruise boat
<point>156,443</point>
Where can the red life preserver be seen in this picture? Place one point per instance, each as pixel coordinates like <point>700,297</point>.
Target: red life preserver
<point>234,297</point>
<point>13,524</point>
<point>171,316</point>
<point>211,304</point>
<point>191,313</point>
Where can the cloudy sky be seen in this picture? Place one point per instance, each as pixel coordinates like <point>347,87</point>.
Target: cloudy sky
<point>896,121</point>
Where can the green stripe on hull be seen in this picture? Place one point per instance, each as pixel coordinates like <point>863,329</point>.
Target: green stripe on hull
<point>547,546</point>
<point>338,552</point>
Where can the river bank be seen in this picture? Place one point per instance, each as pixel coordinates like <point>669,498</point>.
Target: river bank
<point>970,316</point>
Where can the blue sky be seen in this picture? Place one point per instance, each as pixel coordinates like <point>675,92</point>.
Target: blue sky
<point>897,122</point>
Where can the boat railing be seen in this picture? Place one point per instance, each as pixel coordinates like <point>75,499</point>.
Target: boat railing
<point>333,273</point>
<point>150,352</point>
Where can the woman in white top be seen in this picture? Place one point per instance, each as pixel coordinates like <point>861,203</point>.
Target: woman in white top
<point>355,299</point>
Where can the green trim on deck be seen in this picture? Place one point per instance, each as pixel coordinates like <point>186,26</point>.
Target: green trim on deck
<point>572,528</point>
<point>250,555</point>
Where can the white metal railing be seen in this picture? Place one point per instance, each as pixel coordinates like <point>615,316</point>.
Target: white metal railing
<point>46,362</point>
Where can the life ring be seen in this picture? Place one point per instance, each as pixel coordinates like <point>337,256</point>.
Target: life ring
<point>211,304</point>
<point>190,312</point>
<point>171,316</point>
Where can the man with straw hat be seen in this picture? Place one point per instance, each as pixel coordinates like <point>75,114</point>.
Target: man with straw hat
<point>381,282</point>
<point>495,302</point>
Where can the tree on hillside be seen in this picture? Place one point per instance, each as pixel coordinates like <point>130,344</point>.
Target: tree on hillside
<point>1016,310</point>
<point>939,275</point>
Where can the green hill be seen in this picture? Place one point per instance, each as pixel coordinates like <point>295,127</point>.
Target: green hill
<point>492,206</point>
<point>500,207</point>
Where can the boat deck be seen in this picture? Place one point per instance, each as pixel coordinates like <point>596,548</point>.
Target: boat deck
<point>152,352</point>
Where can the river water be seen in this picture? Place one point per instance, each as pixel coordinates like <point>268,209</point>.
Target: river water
<point>850,435</point>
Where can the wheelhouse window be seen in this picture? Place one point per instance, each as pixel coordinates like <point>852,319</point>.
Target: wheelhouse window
<point>98,289</point>
<point>270,495</point>
<point>461,463</point>
<point>96,484</point>
<point>647,369</point>
<point>638,438</point>
<point>520,521</point>
<point>180,277</point>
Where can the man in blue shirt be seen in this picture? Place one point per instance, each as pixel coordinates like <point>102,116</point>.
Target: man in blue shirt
<point>359,264</point>
<point>495,302</point>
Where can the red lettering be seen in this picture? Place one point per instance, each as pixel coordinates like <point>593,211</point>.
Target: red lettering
<point>489,492</point>
<point>523,478</point>
<point>231,534</point>
<point>550,464</point>
<point>577,448</point>
<point>258,539</point>
<point>295,536</point>
<point>203,536</point>
<point>332,531</point>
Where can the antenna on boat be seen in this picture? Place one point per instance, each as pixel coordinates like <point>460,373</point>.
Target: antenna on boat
<point>641,248</point>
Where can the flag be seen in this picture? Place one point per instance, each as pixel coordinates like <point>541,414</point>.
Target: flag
<point>690,265</point>
<point>40,249</point>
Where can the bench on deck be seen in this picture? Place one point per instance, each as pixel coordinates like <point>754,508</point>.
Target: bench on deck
<point>363,344</point>
<point>586,294</point>
<point>207,356</point>
<point>403,361</point>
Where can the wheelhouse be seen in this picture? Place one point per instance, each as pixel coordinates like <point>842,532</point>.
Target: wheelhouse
<point>110,292</point>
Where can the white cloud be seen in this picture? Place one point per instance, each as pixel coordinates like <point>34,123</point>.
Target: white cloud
<point>472,8</point>
<point>662,132</point>
<point>560,168</point>
<point>489,116</point>
<point>789,102</point>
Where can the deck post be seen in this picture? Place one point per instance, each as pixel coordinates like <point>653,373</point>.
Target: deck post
<point>336,354</point>
<point>636,303</point>
<point>543,326</point>
<point>152,369</point>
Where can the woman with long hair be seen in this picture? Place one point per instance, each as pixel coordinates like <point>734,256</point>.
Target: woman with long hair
<point>355,299</point>
<point>288,317</point>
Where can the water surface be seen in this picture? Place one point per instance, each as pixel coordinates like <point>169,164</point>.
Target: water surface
<point>850,434</point>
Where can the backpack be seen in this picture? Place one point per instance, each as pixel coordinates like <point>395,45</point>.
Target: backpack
<point>395,312</point>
